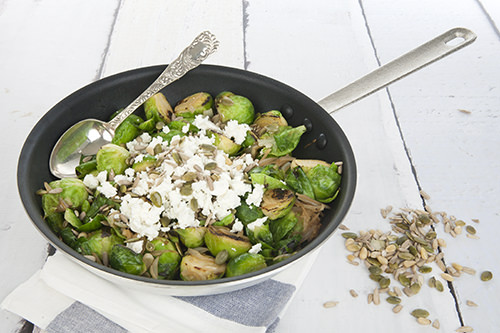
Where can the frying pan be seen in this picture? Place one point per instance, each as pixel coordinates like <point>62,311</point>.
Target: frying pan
<point>324,140</point>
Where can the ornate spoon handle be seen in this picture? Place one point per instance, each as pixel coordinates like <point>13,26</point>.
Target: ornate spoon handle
<point>201,47</point>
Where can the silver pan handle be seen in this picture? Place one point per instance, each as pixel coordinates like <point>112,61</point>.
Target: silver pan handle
<point>408,63</point>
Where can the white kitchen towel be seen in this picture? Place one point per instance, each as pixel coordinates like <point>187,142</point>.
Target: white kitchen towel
<point>64,297</point>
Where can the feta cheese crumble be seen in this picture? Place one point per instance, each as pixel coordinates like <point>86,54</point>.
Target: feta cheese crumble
<point>236,131</point>
<point>256,248</point>
<point>257,223</point>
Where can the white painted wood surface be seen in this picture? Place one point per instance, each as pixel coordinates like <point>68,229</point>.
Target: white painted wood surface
<point>51,48</point>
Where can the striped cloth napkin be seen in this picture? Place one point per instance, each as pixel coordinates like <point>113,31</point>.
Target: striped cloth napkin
<point>64,297</point>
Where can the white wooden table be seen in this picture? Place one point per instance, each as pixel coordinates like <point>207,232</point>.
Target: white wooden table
<point>408,137</point>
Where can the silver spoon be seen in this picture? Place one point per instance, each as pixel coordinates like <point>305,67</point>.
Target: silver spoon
<point>87,136</point>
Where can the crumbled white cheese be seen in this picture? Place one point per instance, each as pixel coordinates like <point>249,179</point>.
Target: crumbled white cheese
<point>143,217</point>
<point>136,246</point>
<point>129,172</point>
<point>255,198</point>
<point>91,181</point>
<point>102,177</point>
<point>185,128</point>
<point>204,123</point>
<point>256,248</point>
<point>146,138</point>
<point>257,223</point>
<point>165,129</point>
<point>236,131</point>
<point>237,226</point>
<point>107,189</point>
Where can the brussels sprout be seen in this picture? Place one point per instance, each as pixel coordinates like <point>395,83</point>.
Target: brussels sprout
<point>194,104</point>
<point>247,214</point>
<point>169,259</point>
<point>112,157</point>
<point>73,193</point>
<point>307,165</point>
<point>286,140</point>
<point>298,181</point>
<point>234,107</point>
<point>192,236</point>
<point>93,224</point>
<point>325,182</point>
<point>270,170</point>
<point>99,242</point>
<point>158,108</point>
<point>221,238</point>
<point>245,263</point>
<point>269,182</point>
<point>259,234</point>
<point>277,202</point>
<point>225,144</point>
<point>281,227</point>
<point>70,216</point>
<point>128,130</point>
<point>84,168</point>
<point>227,220</point>
<point>199,267</point>
<point>269,122</point>
<point>126,260</point>
<point>69,238</point>
<point>55,222</point>
<point>147,162</point>
<point>148,125</point>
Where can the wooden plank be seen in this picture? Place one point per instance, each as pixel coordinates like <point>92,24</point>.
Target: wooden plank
<point>317,47</point>
<point>455,153</point>
<point>156,33</point>
<point>49,49</point>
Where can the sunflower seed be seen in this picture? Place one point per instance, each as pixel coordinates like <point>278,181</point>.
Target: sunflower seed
<point>330,304</point>
<point>353,293</point>
<point>447,277</point>
<point>464,329</point>
<point>471,303</point>
<point>424,321</point>
<point>397,308</point>
<point>436,324</point>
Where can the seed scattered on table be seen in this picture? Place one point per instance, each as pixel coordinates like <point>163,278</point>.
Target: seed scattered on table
<point>330,304</point>
<point>436,324</point>
<point>464,329</point>
<point>486,276</point>
<point>471,303</point>
<point>424,321</point>
<point>397,308</point>
<point>353,293</point>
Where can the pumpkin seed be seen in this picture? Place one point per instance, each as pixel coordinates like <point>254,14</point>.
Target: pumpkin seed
<point>194,204</point>
<point>375,277</point>
<point>177,158</point>
<point>415,288</point>
<point>346,235</point>
<point>393,300</point>
<point>420,313</point>
<point>486,276</point>
<point>439,286</point>
<point>375,270</point>
<point>384,282</point>
<point>425,269</point>
<point>156,199</point>
<point>189,176</point>
<point>186,189</point>
<point>405,281</point>
<point>210,166</point>
<point>432,282</point>
<point>470,229</point>
<point>406,256</point>
<point>424,218</point>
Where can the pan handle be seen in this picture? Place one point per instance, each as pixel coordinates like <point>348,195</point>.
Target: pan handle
<point>433,50</point>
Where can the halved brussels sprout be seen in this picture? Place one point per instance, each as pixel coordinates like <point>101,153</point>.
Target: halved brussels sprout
<point>194,104</point>
<point>192,236</point>
<point>259,234</point>
<point>158,108</point>
<point>245,263</point>
<point>234,107</point>
<point>269,182</point>
<point>299,182</point>
<point>73,193</point>
<point>225,144</point>
<point>200,267</point>
<point>169,259</point>
<point>147,162</point>
<point>277,202</point>
<point>221,238</point>
<point>126,260</point>
<point>112,157</point>
<point>269,122</point>
<point>99,242</point>
<point>128,130</point>
<point>307,165</point>
<point>325,182</point>
<point>286,140</point>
